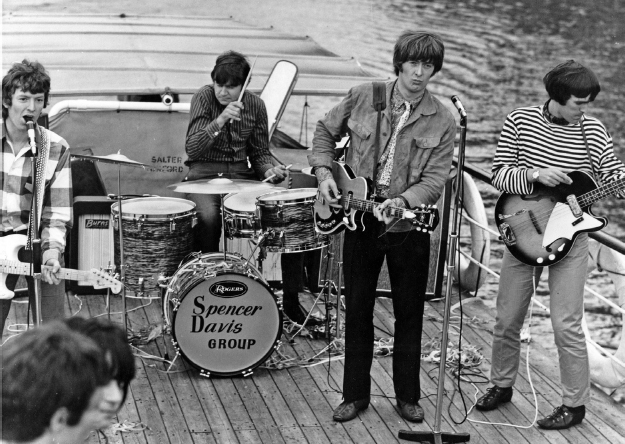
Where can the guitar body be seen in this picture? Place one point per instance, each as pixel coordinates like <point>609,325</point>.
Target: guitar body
<point>11,246</point>
<point>334,219</point>
<point>11,262</point>
<point>539,229</point>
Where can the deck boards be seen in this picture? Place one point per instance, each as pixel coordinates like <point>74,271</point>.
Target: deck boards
<point>295,404</point>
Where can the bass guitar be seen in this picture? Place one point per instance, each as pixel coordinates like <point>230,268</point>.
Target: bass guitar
<point>10,264</point>
<point>540,229</point>
<point>354,200</point>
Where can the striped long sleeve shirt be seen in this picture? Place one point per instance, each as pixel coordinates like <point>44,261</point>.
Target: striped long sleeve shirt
<point>236,141</point>
<point>16,198</point>
<point>528,140</point>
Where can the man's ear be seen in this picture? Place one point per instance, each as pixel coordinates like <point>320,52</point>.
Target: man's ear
<point>59,420</point>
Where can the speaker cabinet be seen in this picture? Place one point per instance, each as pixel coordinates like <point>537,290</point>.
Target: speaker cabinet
<point>91,239</point>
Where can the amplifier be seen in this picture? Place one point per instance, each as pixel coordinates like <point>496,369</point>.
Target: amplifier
<point>91,239</point>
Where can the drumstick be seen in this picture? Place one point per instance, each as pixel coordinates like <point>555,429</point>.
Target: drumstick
<point>245,85</point>
<point>273,175</point>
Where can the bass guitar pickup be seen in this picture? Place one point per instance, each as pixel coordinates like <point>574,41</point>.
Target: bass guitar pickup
<point>507,235</point>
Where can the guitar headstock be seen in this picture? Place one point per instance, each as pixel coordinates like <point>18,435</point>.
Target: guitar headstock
<point>426,218</point>
<point>101,279</point>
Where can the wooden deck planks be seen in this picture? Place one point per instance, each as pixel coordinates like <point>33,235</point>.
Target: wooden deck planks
<point>295,405</point>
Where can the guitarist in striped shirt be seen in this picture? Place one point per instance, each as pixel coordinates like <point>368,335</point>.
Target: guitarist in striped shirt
<point>541,145</point>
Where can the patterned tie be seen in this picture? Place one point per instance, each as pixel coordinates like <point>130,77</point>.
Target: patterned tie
<point>384,176</point>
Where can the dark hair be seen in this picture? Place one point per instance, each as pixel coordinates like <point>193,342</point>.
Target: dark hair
<point>30,77</point>
<point>113,343</point>
<point>571,79</point>
<point>231,69</point>
<point>418,46</point>
<point>45,369</point>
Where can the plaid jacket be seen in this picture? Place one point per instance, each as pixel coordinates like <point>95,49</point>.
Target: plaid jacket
<point>16,197</point>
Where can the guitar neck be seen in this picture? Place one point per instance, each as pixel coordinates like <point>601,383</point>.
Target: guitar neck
<point>24,269</point>
<point>368,206</point>
<point>601,192</point>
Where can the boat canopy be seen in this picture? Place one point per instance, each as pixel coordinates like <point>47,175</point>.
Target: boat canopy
<point>125,55</point>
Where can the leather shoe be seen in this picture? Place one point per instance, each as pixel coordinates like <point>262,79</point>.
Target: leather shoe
<point>494,396</point>
<point>562,418</point>
<point>410,412</point>
<point>347,411</point>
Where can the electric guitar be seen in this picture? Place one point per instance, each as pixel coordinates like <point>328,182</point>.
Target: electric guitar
<point>10,264</point>
<point>540,229</point>
<point>332,219</point>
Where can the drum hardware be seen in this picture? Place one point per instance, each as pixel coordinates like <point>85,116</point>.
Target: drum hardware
<point>158,236</point>
<point>119,160</point>
<point>224,318</point>
<point>286,217</point>
<point>219,185</point>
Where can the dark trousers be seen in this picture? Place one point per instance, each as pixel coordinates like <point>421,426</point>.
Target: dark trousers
<point>297,269</point>
<point>407,257</point>
<point>52,297</point>
<point>208,206</point>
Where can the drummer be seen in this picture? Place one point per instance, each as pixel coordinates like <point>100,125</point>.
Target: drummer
<point>224,137</point>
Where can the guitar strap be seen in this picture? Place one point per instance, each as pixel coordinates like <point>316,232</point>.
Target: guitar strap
<point>594,173</point>
<point>43,148</point>
<point>379,104</point>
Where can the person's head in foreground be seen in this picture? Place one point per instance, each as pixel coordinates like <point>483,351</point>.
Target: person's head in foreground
<point>53,382</point>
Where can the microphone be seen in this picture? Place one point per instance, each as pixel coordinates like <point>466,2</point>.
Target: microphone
<point>459,107</point>
<point>31,134</point>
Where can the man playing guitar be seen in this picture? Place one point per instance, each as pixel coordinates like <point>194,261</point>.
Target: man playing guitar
<point>25,90</point>
<point>538,147</point>
<point>415,141</point>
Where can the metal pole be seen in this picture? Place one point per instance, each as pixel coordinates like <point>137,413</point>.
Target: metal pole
<point>122,267</point>
<point>436,436</point>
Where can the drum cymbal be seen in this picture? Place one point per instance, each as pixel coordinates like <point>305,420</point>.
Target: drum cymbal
<point>116,158</point>
<point>219,185</point>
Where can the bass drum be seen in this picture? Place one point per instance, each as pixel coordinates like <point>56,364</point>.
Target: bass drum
<point>224,318</point>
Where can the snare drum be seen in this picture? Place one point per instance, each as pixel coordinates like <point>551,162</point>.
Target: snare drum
<point>224,318</point>
<point>240,214</point>
<point>286,220</point>
<point>157,236</point>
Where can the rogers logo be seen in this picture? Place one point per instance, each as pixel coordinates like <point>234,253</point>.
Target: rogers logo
<point>228,289</point>
<point>98,224</point>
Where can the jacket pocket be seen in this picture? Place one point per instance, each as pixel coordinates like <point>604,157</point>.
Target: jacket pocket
<point>423,147</point>
<point>358,129</point>
<point>427,142</point>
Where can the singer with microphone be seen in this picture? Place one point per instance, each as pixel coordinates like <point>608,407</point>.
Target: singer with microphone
<point>25,92</point>
<point>408,161</point>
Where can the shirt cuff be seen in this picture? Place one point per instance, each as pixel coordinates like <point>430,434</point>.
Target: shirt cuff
<point>263,169</point>
<point>323,173</point>
<point>213,129</point>
<point>400,202</point>
<point>50,254</point>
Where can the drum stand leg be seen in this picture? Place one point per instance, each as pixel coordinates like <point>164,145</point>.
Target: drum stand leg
<point>328,285</point>
<point>223,227</point>
<point>122,267</point>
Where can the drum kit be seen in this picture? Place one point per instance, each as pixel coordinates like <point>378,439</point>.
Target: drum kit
<point>225,319</point>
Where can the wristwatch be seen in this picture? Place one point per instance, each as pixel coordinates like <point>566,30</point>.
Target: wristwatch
<point>536,175</point>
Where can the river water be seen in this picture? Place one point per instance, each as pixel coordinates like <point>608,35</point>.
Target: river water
<point>497,52</point>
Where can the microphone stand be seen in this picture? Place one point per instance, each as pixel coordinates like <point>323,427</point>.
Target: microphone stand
<point>35,240</point>
<point>436,436</point>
